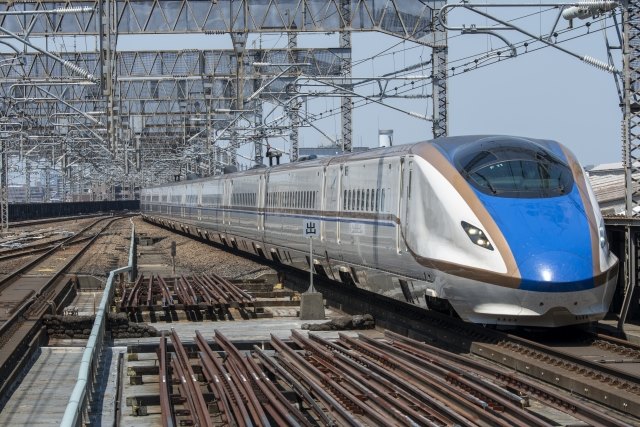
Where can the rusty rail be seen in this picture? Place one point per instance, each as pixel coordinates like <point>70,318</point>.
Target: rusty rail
<point>513,380</point>
<point>195,399</point>
<point>303,372</point>
<point>225,387</point>
<point>189,291</point>
<point>165,381</point>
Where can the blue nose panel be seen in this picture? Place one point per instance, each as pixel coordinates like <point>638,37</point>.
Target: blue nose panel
<point>549,238</point>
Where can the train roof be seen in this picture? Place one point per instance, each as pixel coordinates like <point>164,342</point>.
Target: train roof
<point>448,145</point>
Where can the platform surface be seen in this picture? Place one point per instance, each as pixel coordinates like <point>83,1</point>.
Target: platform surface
<point>42,397</point>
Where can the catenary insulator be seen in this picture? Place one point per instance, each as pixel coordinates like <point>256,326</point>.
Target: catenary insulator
<point>599,64</point>
<point>75,69</point>
<point>73,9</point>
<point>588,9</point>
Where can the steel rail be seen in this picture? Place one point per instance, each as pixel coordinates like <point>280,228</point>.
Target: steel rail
<point>352,362</point>
<point>195,394</point>
<point>234,364</point>
<point>215,380</point>
<point>381,407</point>
<point>127,295</point>
<point>192,298</point>
<point>420,377</point>
<point>182,298</point>
<point>187,392</point>
<point>219,291</point>
<point>285,376</point>
<point>611,374</point>
<point>225,384</point>
<point>303,371</point>
<point>164,381</point>
<point>239,293</point>
<point>468,383</point>
<point>5,282</point>
<point>210,297</point>
<point>289,413</point>
<point>35,249</point>
<point>7,279</point>
<point>560,401</point>
<point>150,292</point>
<point>168,298</point>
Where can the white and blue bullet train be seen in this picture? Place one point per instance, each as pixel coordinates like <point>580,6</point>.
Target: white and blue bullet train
<point>503,230</point>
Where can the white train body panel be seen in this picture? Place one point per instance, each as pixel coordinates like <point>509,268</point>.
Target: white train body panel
<point>415,223</point>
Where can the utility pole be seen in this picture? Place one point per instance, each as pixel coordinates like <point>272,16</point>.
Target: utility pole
<point>631,147</point>
<point>346,107</point>
<point>4,181</point>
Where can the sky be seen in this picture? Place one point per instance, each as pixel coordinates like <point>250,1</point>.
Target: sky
<point>544,94</point>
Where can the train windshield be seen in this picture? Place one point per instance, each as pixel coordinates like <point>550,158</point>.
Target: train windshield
<point>515,169</point>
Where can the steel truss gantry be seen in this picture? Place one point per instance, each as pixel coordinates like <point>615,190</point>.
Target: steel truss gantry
<point>141,97</point>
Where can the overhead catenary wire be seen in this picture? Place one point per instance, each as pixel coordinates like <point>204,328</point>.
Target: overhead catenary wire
<point>478,61</point>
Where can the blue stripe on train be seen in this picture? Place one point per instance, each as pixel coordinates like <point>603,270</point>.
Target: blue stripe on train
<point>549,239</point>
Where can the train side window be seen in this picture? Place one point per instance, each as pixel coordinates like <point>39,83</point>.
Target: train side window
<point>382,206</point>
<point>344,200</point>
<point>367,200</point>
<point>362,205</point>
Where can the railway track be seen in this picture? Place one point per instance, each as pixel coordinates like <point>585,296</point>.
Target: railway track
<point>360,380</point>
<point>573,366</point>
<point>600,370</point>
<point>33,289</point>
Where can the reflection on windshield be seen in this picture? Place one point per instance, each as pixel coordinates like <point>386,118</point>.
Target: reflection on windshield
<point>514,170</point>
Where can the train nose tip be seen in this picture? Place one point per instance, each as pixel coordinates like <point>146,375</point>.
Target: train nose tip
<point>555,270</point>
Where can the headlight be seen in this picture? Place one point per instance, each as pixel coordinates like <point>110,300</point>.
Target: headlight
<point>603,234</point>
<point>476,235</point>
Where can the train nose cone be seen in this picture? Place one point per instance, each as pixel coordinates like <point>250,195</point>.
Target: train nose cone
<point>556,271</point>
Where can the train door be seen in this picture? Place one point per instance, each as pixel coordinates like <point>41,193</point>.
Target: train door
<point>406,217</point>
<point>341,201</point>
<point>198,188</point>
<point>260,204</point>
<point>226,213</point>
<point>401,205</point>
<point>323,202</point>
<point>181,199</point>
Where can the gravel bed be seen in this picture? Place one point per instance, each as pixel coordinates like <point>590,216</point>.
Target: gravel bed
<point>201,258</point>
<point>42,233</point>
<point>109,251</point>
